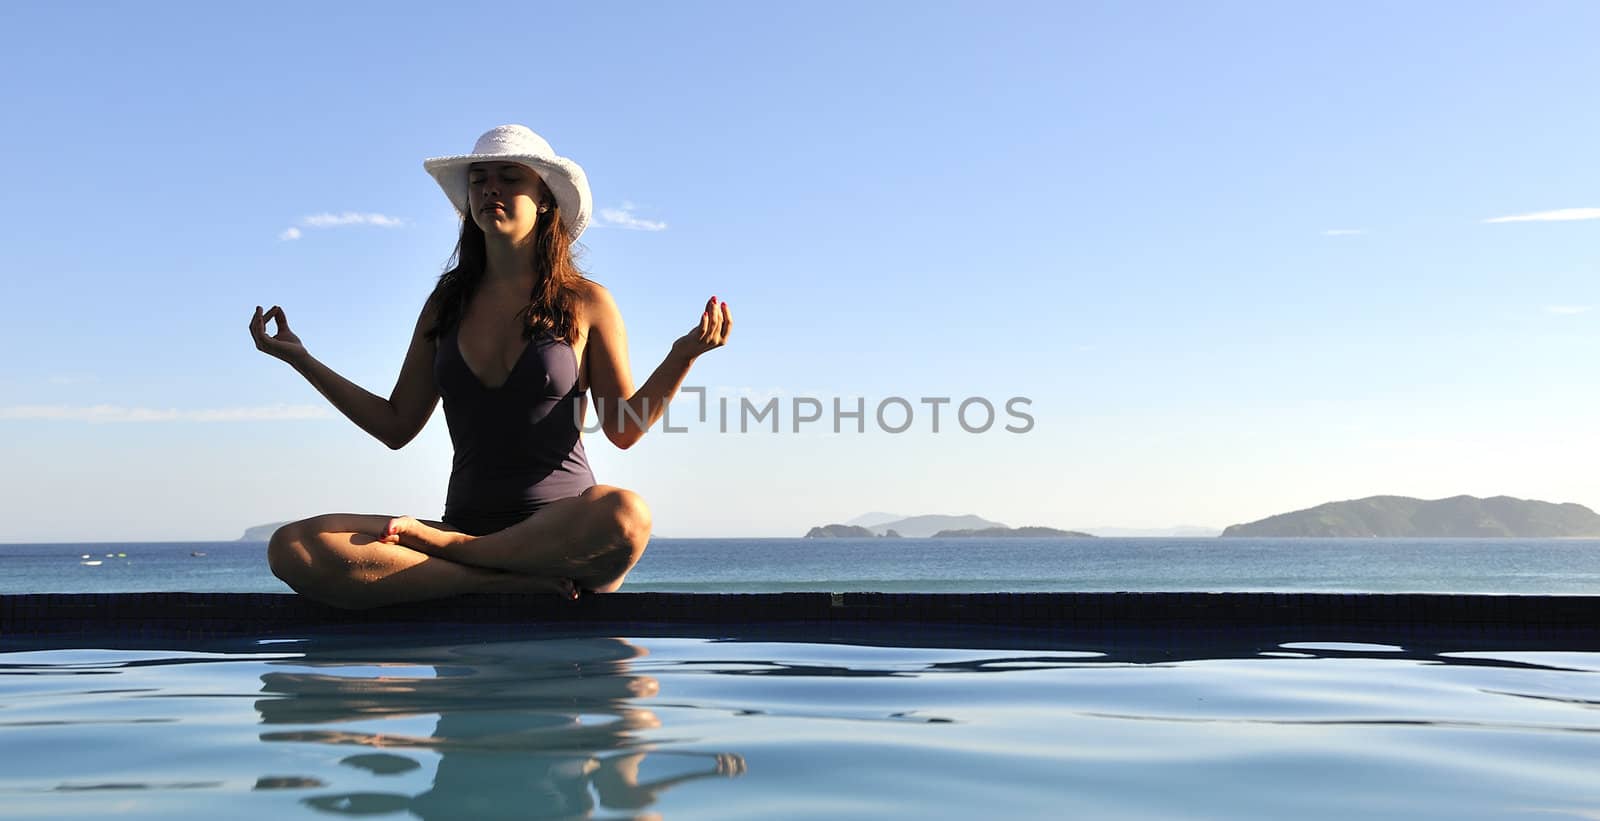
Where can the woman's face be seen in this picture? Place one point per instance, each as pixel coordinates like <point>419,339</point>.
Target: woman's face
<point>505,198</point>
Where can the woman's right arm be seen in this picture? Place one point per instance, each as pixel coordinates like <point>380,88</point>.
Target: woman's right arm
<point>394,421</point>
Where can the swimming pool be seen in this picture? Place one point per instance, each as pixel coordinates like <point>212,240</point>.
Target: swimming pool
<point>788,713</point>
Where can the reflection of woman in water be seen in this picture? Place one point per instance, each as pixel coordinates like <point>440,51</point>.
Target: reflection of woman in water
<point>525,729</point>
<point>512,338</point>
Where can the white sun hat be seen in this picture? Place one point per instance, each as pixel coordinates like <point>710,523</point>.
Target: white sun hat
<point>518,144</point>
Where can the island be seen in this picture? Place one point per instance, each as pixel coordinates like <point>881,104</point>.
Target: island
<point>1034,532</point>
<point>839,532</point>
<point>260,533</point>
<point>882,524</point>
<point>1392,517</point>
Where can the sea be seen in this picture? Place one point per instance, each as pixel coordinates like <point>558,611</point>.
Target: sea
<point>915,565</point>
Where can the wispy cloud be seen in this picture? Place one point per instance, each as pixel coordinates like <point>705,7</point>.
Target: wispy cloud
<point>330,220</point>
<point>1561,215</point>
<point>1566,309</point>
<point>351,218</point>
<point>623,218</point>
<point>1344,232</point>
<point>119,413</point>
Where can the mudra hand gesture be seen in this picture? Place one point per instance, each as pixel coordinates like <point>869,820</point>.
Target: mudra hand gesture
<point>284,344</point>
<point>712,332</point>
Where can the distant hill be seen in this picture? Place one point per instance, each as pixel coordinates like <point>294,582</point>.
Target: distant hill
<point>879,522</point>
<point>260,533</point>
<point>839,532</point>
<point>1036,532</point>
<point>874,519</point>
<point>912,526</point>
<point>1455,517</point>
<point>922,526</point>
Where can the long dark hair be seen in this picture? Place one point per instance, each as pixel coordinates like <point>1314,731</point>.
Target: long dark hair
<point>556,278</point>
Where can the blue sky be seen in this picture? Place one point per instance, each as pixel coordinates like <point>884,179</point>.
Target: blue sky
<point>1242,257</point>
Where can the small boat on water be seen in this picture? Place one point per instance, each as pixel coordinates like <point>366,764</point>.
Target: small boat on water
<point>197,553</point>
<point>92,563</point>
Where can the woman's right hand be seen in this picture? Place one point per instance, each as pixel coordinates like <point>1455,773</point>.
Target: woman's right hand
<point>281,345</point>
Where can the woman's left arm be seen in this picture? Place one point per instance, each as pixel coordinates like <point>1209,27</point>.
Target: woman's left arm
<point>625,414</point>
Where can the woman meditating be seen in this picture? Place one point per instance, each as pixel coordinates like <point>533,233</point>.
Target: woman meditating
<point>512,338</point>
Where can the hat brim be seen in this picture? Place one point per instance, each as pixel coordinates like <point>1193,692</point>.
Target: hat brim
<point>564,178</point>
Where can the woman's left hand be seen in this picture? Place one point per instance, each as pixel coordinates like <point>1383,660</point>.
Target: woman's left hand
<point>712,332</point>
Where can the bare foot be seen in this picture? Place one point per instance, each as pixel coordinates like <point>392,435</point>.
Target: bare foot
<point>409,532</point>
<point>512,583</point>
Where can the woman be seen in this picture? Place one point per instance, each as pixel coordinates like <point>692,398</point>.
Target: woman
<point>511,338</point>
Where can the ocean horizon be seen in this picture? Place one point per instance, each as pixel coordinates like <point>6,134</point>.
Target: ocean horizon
<point>1554,566</point>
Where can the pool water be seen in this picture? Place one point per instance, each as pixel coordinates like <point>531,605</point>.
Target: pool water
<point>445,726</point>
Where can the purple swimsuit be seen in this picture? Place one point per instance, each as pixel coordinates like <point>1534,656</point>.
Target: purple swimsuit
<point>517,447</point>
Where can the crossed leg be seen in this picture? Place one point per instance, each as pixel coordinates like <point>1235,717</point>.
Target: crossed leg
<point>586,542</point>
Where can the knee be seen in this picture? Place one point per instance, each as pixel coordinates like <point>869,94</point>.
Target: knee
<point>287,555</point>
<point>625,514</point>
<point>624,524</point>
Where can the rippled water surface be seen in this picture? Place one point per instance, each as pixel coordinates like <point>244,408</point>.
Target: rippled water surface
<point>693,728</point>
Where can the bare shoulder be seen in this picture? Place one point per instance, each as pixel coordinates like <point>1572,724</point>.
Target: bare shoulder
<point>593,294</point>
<point>429,315</point>
<point>596,307</point>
